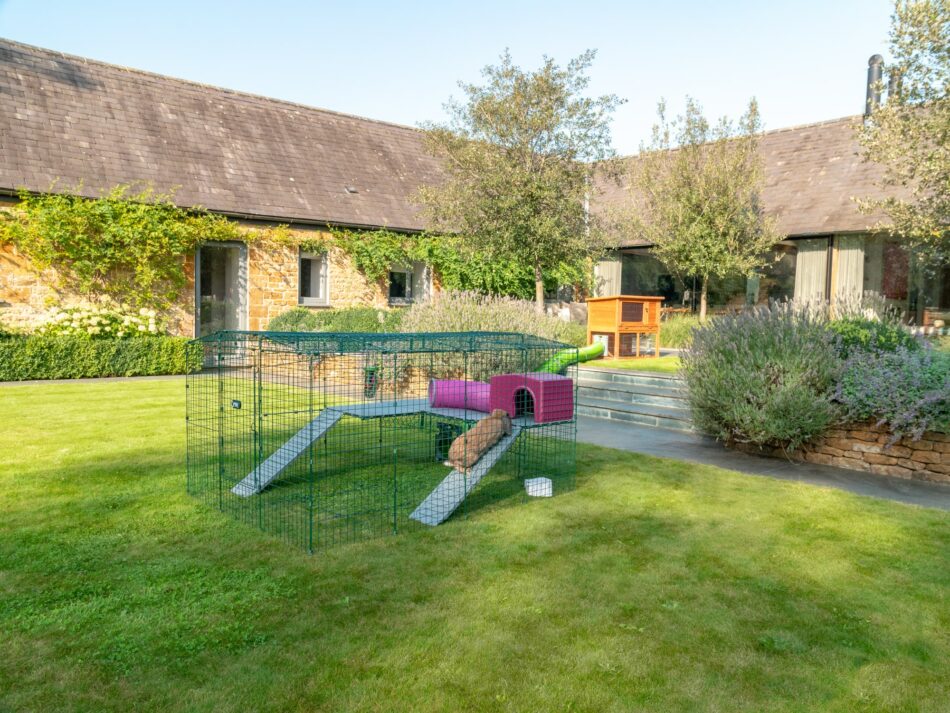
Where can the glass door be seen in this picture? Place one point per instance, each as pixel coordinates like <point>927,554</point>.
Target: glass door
<point>221,287</point>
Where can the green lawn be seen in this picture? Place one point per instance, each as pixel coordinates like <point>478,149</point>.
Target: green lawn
<point>654,586</point>
<point>663,364</point>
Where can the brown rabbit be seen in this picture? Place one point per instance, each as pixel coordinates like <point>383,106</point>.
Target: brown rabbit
<point>467,449</point>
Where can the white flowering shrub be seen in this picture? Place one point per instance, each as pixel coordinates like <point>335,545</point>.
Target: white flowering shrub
<point>101,323</point>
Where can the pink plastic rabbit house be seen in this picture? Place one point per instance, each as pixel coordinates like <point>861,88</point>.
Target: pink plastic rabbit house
<point>548,397</point>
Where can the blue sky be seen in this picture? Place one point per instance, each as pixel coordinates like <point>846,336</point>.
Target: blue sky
<point>804,61</point>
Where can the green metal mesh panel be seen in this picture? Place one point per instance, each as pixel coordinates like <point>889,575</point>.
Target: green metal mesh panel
<point>322,439</point>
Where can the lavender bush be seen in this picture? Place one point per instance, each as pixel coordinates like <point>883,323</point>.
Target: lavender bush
<point>765,376</point>
<point>471,311</point>
<point>906,390</point>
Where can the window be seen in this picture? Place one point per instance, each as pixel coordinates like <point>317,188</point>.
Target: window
<point>777,279</point>
<point>409,283</point>
<point>221,287</point>
<point>812,280</point>
<point>314,279</point>
<point>886,268</point>
<point>642,274</point>
<point>400,286</point>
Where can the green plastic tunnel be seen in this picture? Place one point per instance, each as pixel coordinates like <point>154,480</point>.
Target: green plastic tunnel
<point>568,357</point>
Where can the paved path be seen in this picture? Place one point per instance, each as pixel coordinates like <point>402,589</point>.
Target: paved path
<point>702,449</point>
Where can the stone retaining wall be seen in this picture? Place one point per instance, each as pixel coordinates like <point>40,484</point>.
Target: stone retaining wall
<point>865,447</point>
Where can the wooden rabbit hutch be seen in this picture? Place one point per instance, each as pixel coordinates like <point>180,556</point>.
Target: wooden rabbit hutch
<point>624,321</point>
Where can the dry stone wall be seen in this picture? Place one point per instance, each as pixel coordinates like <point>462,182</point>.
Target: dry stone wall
<point>865,447</point>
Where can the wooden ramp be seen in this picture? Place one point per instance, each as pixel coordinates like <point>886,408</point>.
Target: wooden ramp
<point>450,493</point>
<point>266,472</point>
<point>262,475</point>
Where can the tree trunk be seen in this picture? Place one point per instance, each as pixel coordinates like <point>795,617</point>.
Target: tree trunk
<point>538,289</point>
<point>702,300</point>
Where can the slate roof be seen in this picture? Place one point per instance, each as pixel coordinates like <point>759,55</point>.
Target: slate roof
<point>69,119</point>
<point>812,172</point>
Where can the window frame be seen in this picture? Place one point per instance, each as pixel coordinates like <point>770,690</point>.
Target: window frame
<point>408,273</point>
<point>323,259</point>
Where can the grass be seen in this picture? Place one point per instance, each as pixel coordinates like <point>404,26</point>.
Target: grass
<point>663,364</point>
<point>676,330</point>
<point>654,586</point>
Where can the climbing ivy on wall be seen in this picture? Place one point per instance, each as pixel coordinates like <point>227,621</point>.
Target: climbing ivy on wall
<point>126,245</point>
<point>129,245</point>
<point>460,265</point>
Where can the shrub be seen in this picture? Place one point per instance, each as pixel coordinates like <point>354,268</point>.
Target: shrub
<point>298,319</point>
<point>676,331</point>
<point>73,357</point>
<point>865,334</point>
<point>349,319</point>
<point>907,390</point>
<point>765,376</point>
<point>6,331</point>
<point>100,323</point>
<point>470,311</point>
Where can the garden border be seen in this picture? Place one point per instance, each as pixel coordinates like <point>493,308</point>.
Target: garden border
<point>865,447</point>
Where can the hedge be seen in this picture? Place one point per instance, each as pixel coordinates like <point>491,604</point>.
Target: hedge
<point>77,357</point>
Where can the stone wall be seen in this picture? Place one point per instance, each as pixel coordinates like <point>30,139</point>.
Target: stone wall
<point>27,295</point>
<point>273,288</point>
<point>865,447</point>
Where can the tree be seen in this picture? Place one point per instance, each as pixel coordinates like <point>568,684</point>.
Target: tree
<point>696,196</point>
<point>519,154</point>
<point>910,134</point>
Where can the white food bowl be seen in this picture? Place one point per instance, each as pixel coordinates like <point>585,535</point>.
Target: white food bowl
<point>539,487</point>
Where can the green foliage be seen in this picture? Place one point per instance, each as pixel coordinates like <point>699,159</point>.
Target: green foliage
<point>697,189</point>
<point>676,331</point>
<point>475,271</point>
<point>374,252</point>
<point>765,376</point>
<point>130,247</point>
<point>6,331</point>
<point>464,269</point>
<point>297,319</point>
<point>908,135</point>
<point>871,334</point>
<point>908,390</point>
<point>470,311</point>
<point>126,245</point>
<point>459,265</point>
<point>349,319</point>
<point>78,357</point>
<point>519,156</point>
